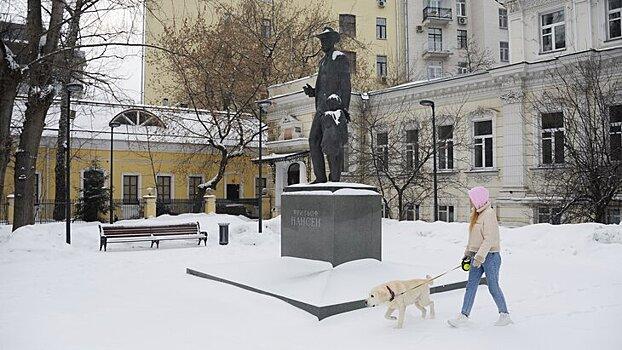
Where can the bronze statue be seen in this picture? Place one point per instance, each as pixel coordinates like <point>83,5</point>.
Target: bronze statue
<point>329,130</point>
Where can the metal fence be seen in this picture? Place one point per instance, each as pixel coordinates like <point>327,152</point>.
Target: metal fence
<point>4,212</point>
<point>180,206</point>
<point>244,206</point>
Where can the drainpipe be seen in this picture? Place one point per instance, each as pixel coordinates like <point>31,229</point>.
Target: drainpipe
<point>406,43</point>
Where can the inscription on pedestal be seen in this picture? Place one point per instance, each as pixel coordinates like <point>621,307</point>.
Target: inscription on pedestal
<point>330,226</point>
<point>306,218</point>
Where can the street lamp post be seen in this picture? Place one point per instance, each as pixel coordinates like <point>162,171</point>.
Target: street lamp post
<point>428,103</point>
<point>71,87</point>
<point>111,209</point>
<point>263,106</point>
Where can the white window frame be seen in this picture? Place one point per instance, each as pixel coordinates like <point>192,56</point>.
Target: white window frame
<point>188,183</point>
<point>504,52</point>
<point>413,149</point>
<point>613,217</point>
<point>445,150</point>
<point>462,44</point>
<point>381,29</point>
<point>461,8</point>
<point>503,18</point>
<point>447,212</point>
<point>483,138</point>
<point>435,39</point>
<point>256,177</point>
<point>382,149</point>
<point>138,189</point>
<point>552,131</point>
<point>618,12</point>
<point>380,71</point>
<point>553,27</point>
<point>413,208</point>
<point>463,68</point>
<point>436,68</point>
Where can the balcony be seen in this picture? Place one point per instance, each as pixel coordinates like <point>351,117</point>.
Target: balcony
<point>436,16</point>
<point>435,50</point>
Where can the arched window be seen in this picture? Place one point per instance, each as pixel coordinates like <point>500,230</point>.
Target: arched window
<point>138,117</point>
<point>293,174</point>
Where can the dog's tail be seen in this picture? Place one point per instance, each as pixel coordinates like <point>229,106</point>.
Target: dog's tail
<point>431,281</point>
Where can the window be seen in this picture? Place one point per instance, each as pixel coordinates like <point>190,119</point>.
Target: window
<point>412,211</point>
<point>482,133</point>
<point>347,25</point>
<point>462,39</point>
<point>613,18</point>
<point>461,8</point>
<point>163,188</point>
<point>504,51</point>
<point>381,28</point>
<point>435,70</point>
<point>615,132</point>
<point>463,68</point>
<point>446,213</point>
<point>193,187</point>
<point>412,149</point>
<point>381,66</point>
<point>351,56</point>
<point>130,189</point>
<point>138,117</point>
<point>613,216</point>
<point>503,18</point>
<point>435,39</point>
<point>266,28</point>
<point>549,215</point>
<point>386,212</point>
<point>553,30</point>
<point>552,138</point>
<point>260,185</point>
<point>445,147</point>
<point>382,150</point>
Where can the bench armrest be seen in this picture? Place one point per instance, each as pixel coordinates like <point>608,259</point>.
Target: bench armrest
<point>203,233</point>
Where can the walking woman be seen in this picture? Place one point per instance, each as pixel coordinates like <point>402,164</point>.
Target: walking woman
<point>483,252</point>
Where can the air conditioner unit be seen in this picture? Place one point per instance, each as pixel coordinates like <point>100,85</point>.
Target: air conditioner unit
<point>381,3</point>
<point>462,20</point>
<point>419,29</point>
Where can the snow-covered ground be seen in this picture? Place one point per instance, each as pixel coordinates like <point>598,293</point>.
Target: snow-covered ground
<point>563,285</point>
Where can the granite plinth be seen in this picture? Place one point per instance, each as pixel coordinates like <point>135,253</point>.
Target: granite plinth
<point>333,222</point>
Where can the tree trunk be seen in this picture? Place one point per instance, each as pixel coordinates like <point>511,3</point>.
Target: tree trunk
<point>60,167</point>
<point>8,92</point>
<point>26,159</point>
<point>400,209</point>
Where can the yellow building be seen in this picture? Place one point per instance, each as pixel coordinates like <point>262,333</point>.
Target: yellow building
<point>155,149</point>
<point>375,25</point>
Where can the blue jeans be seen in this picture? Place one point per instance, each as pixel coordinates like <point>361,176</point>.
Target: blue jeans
<point>491,266</point>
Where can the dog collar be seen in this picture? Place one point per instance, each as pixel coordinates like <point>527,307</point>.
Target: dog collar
<point>392,293</point>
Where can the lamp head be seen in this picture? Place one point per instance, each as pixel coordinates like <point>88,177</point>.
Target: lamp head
<point>74,87</point>
<point>426,103</point>
<point>114,124</point>
<point>263,104</point>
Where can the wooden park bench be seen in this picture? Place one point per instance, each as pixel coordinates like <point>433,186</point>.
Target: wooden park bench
<point>155,234</point>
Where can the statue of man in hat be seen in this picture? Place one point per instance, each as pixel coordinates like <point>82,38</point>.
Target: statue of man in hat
<point>332,101</point>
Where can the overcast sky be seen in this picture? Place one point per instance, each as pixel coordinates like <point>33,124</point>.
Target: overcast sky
<point>123,64</point>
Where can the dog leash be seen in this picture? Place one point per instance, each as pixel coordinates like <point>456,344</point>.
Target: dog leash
<point>393,295</point>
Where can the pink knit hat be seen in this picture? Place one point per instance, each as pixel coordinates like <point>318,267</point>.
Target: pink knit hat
<point>479,196</point>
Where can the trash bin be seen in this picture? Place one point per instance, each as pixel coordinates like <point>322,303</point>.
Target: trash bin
<point>223,230</point>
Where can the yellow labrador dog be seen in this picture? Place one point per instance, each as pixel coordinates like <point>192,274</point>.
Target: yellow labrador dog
<point>399,294</point>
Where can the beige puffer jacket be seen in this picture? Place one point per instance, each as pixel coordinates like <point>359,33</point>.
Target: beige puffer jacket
<point>484,237</point>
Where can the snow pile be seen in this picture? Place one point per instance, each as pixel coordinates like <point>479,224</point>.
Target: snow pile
<point>562,285</point>
<point>608,234</point>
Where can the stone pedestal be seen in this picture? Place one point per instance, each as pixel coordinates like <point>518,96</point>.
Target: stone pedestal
<point>333,222</point>
<point>150,204</point>
<point>210,202</point>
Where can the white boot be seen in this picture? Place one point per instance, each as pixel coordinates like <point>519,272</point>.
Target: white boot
<point>459,321</point>
<point>504,320</point>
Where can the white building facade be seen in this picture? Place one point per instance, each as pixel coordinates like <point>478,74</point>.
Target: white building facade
<point>437,33</point>
<point>501,143</point>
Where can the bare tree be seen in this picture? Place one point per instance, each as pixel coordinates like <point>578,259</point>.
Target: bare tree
<point>392,146</point>
<point>226,66</point>
<point>477,58</point>
<point>578,115</point>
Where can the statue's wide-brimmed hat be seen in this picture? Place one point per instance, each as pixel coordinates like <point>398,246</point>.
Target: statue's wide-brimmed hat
<point>329,32</point>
